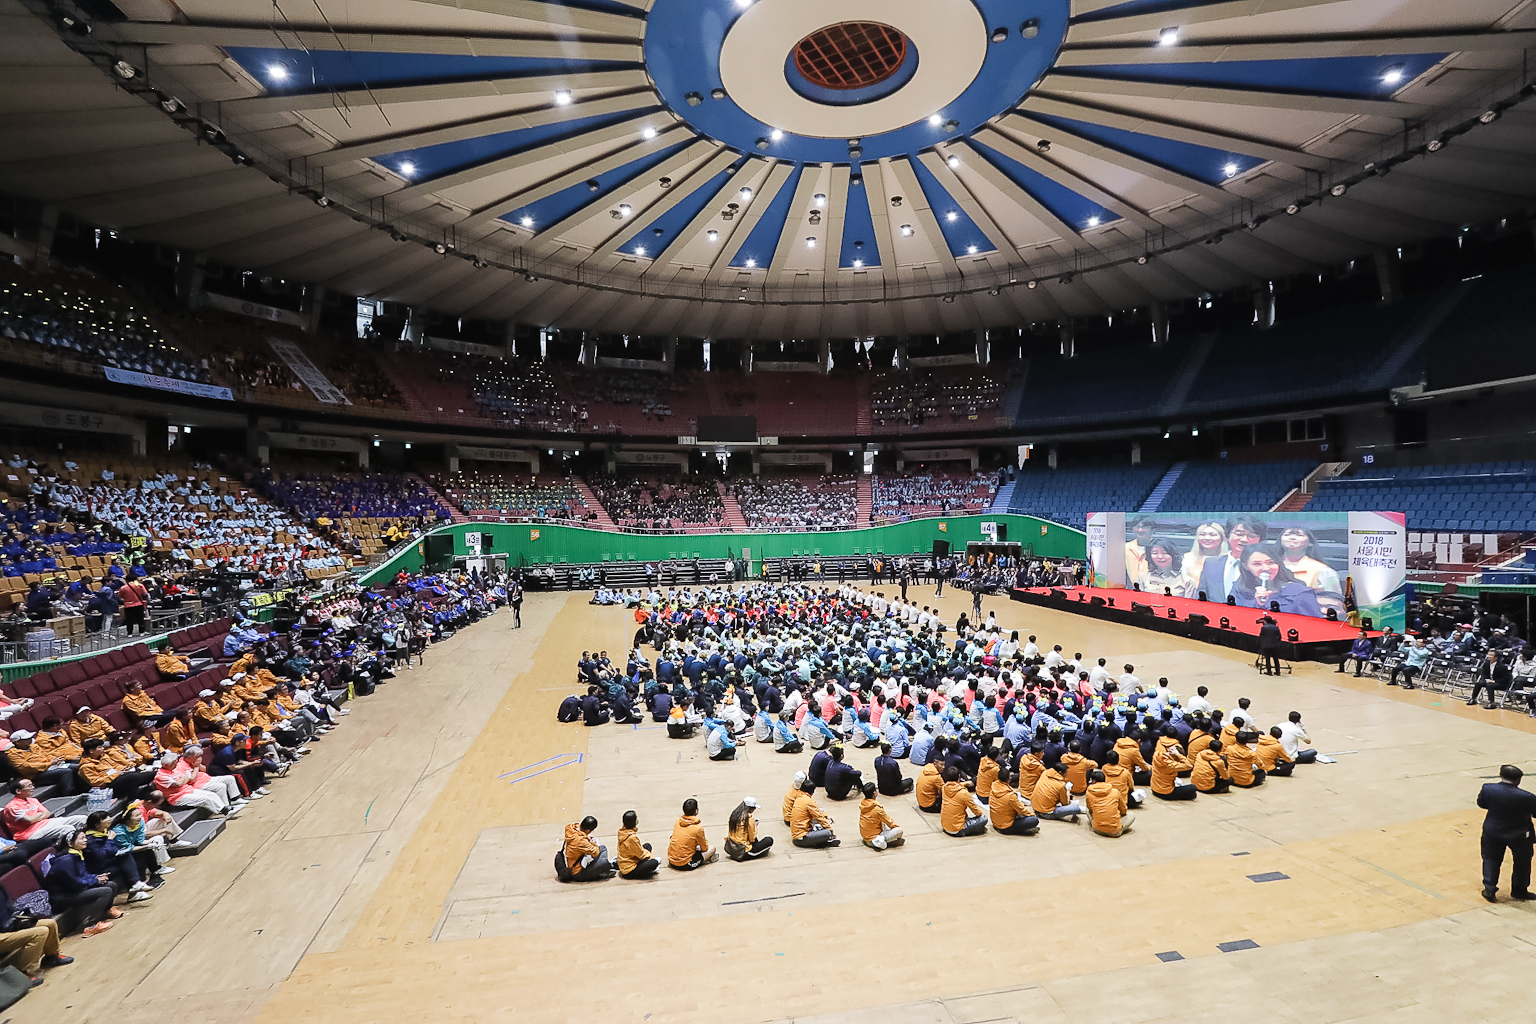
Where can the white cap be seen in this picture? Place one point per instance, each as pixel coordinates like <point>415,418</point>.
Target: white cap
<point>205,693</point>
<point>169,757</point>
<point>799,776</point>
<point>21,734</point>
<point>749,801</point>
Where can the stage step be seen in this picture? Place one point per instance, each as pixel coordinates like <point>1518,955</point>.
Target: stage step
<point>1163,487</point>
<point>197,837</point>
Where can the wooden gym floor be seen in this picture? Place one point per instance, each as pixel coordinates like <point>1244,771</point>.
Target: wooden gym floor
<point>402,873</point>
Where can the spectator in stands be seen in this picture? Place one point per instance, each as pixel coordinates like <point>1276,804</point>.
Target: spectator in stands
<point>1219,575</point>
<point>26,818</point>
<point>171,665</point>
<point>28,947</point>
<point>134,599</point>
<point>73,886</point>
<point>1264,581</point>
<point>185,784</point>
<point>34,763</point>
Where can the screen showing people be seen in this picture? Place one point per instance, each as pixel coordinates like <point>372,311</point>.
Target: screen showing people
<point>1290,563</point>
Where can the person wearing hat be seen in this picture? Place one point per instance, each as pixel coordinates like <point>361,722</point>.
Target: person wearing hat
<point>87,725</point>
<point>208,710</point>
<point>743,842</point>
<point>792,795</point>
<point>185,784</point>
<point>36,763</point>
<point>26,819</point>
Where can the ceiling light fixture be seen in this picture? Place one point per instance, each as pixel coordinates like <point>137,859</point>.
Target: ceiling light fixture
<point>1339,189</point>
<point>124,70</point>
<point>527,221</point>
<point>762,143</point>
<point>407,169</point>
<point>820,199</point>
<point>1488,116</point>
<point>810,242</point>
<point>648,133</point>
<point>1168,36</point>
<point>440,249</point>
<point>1293,209</point>
<point>745,193</point>
<point>999,34</point>
<point>1030,28</point>
<point>1093,221</point>
<point>971,250</point>
<point>1044,145</point>
<point>858,263</point>
<point>994,290</point>
<point>1230,170</point>
<point>169,104</point>
<point>624,210</point>
<point>906,230</point>
<point>949,298</point>
<point>1032,285</point>
<point>776,135</point>
<point>934,120</point>
<point>951,216</point>
<point>751,262</point>
<point>530,276</point>
<point>563,98</point>
<point>1435,145</point>
<point>1393,75</point>
<point>712,235</point>
<point>639,250</point>
<point>277,72</point>
<point>717,94</point>
<point>1141,260</point>
<point>953,161</point>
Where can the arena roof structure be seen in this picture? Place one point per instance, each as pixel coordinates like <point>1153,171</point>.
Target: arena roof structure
<point>773,168</point>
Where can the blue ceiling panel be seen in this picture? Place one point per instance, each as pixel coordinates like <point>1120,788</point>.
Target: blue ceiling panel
<point>1070,207</point>
<point>1312,76</point>
<point>1199,162</point>
<point>319,70</point>
<point>647,242</point>
<point>858,229</point>
<point>569,200</point>
<point>447,157</point>
<point>961,234</point>
<point>1131,8</point>
<point>764,239</point>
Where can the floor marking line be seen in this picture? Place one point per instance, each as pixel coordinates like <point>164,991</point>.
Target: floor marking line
<point>764,899</point>
<point>1400,878</point>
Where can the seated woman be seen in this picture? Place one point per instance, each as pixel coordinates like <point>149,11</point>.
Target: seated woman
<point>743,842</point>
<point>128,871</point>
<point>1262,579</point>
<point>635,859</point>
<point>74,890</point>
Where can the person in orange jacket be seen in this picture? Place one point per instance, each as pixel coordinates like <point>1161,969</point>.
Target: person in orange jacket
<point>876,828</point>
<point>1211,774</point>
<point>1272,756</point>
<point>1107,807</point>
<point>1167,764</point>
<point>961,813</point>
<point>635,859</point>
<point>585,861</point>
<point>1075,767</point>
<point>689,848</point>
<point>1008,811</point>
<point>1241,758</point>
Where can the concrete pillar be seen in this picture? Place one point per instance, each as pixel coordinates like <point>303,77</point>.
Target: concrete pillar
<point>48,223</point>
<point>1389,276</point>
<point>1159,324</point>
<point>824,355</point>
<point>983,350</point>
<point>315,301</point>
<point>671,357</point>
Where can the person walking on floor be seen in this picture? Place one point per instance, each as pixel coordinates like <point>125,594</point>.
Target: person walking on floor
<point>1507,826</point>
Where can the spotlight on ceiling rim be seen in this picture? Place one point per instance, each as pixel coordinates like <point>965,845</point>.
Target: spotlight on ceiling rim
<point>1392,75</point>
<point>124,70</point>
<point>1032,285</point>
<point>1293,209</point>
<point>949,298</point>
<point>1339,189</point>
<point>1168,36</point>
<point>1488,116</point>
<point>1435,145</point>
<point>440,249</point>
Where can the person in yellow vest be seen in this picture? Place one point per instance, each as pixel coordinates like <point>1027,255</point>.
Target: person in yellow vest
<point>1107,807</point>
<point>1009,812</point>
<point>1211,774</point>
<point>809,826</point>
<point>171,665</point>
<point>1052,798</point>
<point>635,859</point>
<point>87,725</point>
<point>876,828</point>
<point>1272,756</point>
<point>689,849</point>
<point>961,814</point>
<point>743,843</point>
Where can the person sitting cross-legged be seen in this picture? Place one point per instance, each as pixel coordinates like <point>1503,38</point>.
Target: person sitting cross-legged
<point>809,825</point>
<point>689,849</point>
<point>876,828</point>
<point>743,843</point>
<point>961,814</point>
<point>1107,811</point>
<point>635,859</point>
<point>584,859</point>
<point>1009,812</point>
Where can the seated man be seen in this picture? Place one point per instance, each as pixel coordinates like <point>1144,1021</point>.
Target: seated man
<point>593,711</point>
<point>635,860</point>
<point>784,739</point>
<point>1167,765</point>
<point>1008,811</point>
<point>185,784</point>
<point>138,705</point>
<point>1243,761</point>
<point>1122,778</point>
<point>171,665</point>
<point>876,828</point>
<point>929,788</point>
<point>101,771</point>
<point>718,740</point>
<point>1292,735</point>
<point>689,849</point>
<point>585,861</point>
<point>841,777</point>
<point>1360,652</point>
<point>1211,774</point>
<point>1052,798</point>
<point>888,773</point>
<point>961,814</point>
<point>36,763</point>
<point>31,948</point>
<point>26,819</point>
<point>1107,812</point>
<point>809,826</point>
<point>1271,755</point>
<point>87,725</point>
<point>743,842</point>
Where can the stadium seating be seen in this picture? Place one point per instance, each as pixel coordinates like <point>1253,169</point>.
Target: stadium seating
<point>1480,497</point>
<point>797,502</point>
<point>1068,495</point>
<point>925,492</point>
<point>507,493</point>
<point>1234,487</point>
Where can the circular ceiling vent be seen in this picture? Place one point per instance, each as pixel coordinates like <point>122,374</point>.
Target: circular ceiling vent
<point>851,54</point>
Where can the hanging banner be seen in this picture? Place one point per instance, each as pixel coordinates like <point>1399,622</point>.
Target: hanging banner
<point>230,304</point>
<point>1378,567</point>
<point>961,359</point>
<point>468,348</point>
<point>314,442</point>
<point>159,383</point>
<point>1106,550</point>
<point>307,372</point>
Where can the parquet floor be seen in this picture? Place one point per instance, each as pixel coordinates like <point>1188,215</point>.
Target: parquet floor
<point>402,874</point>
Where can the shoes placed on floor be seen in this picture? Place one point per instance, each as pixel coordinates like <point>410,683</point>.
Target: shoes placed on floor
<point>256,795</point>
<point>167,869</point>
<point>263,790</point>
<point>139,887</point>
<point>58,961</point>
<point>97,928</point>
<point>140,897</point>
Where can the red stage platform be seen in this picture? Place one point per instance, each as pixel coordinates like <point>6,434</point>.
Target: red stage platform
<point>1315,638</point>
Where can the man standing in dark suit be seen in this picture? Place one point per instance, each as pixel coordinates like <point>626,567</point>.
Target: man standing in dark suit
<point>1508,825</point>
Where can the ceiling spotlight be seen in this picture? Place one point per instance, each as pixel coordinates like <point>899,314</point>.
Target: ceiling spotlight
<point>693,98</point>
<point>1067,277</point>
<point>951,216</point>
<point>776,135</point>
<point>1229,169</point>
<point>970,250</point>
<point>953,161</point>
<point>762,143</point>
<point>1488,116</point>
<point>814,217</point>
<point>745,193</point>
<point>712,235</point>
<point>665,182</point>
<point>407,169</point>
<point>639,250</point>
<point>1215,239</point>
<point>530,276</point>
<point>1392,75</point>
<point>527,221</point>
<point>1093,221</point>
<point>593,185</point>
<point>934,120</point>
<point>1168,36</point>
<point>478,263</point>
<point>74,24</point>
<point>241,159</point>
<point>648,133</point>
<point>994,290</point>
<point>1141,260</point>
<point>1339,189</point>
<point>1044,145</point>
<point>658,232</point>
<point>124,70</point>
<point>440,249</point>
<point>1293,209</point>
<point>949,298</point>
<point>854,152</point>
<point>717,94</point>
<point>999,34</point>
<point>858,263</point>
<point>169,104</point>
<point>1032,285</point>
<point>322,200</point>
<point>855,180</point>
<point>396,234</point>
<point>277,72</point>
<point>951,127</point>
<point>1435,145</point>
<point>743,3</point>
<point>751,262</point>
<point>810,242</point>
<point>906,231</point>
<point>820,199</point>
<point>624,210</point>
<point>1030,28</point>
<point>896,202</point>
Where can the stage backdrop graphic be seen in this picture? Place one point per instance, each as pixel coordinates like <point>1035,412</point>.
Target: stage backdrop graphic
<point>1307,562</point>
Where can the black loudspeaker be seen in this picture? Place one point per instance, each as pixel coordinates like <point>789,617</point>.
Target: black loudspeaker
<point>1226,623</point>
<point>1135,586</point>
<point>1366,622</point>
<point>1197,620</point>
<point>1111,602</point>
<point>1172,614</point>
<point>1097,602</point>
<point>1292,635</point>
<point>1141,609</point>
<point>1202,596</point>
<point>1274,606</point>
<point>1168,592</point>
<point>1060,595</point>
<point>1231,600</point>
<point>1002,532</point>
<point>1333,615</point>
<point>941,549</point>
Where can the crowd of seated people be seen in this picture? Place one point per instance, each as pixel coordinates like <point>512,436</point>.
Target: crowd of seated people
<point>659,504</point>
<point>70,313</point>
<point>515,393</point>
<point>522,495</point>
<point>607,399</point>
<point>184,741</point>
<point>317,495</point>
<point>917,398</point>
<point>1006,736</point>
<point>930,493</point>
<point>797,503</point>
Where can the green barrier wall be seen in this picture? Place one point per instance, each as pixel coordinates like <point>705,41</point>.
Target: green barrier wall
<point>544,544</point>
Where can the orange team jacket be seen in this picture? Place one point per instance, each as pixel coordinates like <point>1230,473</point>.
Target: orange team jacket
<point>1120,777</point>
<point>1106,805</point>
<point>1030,770</point>
<point>1198,741</point>
<point>28,762</point>
<point>1166,766</point>
<point>124,756</point>
<point>1130,754</point>
<point>1164,741</point>
<point>789,802</point>
<point>806,816</point>
<point>1228,735</point>
<point>631,850</point>
<point>959,803</point>
<point>1240,759</point>
<point>1271,753</point>
<point>1050,792</point>
<point>1005,805</point>
<point>57,745</point>
<point>873,819</point>
<point>930,785</point>
<point>147,747</point>
<point>93,727</point>
<point>1075,769</point>
<point>141,704</point>
<point>206,714</point>
<point>1209,766</point>
<point>577,845</point>
<point>687,839</point>
<point>98,771</point>
<point>985,776</point>
<point>172,665</point>
<point>176,736</point>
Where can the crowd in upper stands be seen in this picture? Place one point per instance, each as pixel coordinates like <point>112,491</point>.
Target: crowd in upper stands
<point>659,503</point>
<point>943,398</point>
<point>488,492</point>
<point>795,503</point>
<point>371,495</point>
<point>927,492</point>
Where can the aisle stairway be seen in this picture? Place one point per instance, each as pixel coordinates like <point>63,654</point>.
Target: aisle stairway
<point>603,521</point>
<point>866,499</point>
<point>1293,502</point>
<point>453,506</point>
<point>734,520</point>
<point>1184,381</point>
<point>1003,497</point>
<point>1163,487</point>
<point>863,419</point>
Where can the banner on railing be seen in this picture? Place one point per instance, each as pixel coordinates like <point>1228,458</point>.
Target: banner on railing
<point>616,363</point>
<point>468,348</point>
<point>533,534</point>
<point>465,451</point>
<point>314,442</point>
<point>959,359</point>
<point>230,304</point>
<point>308,373</point>
<point>159,383</point>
